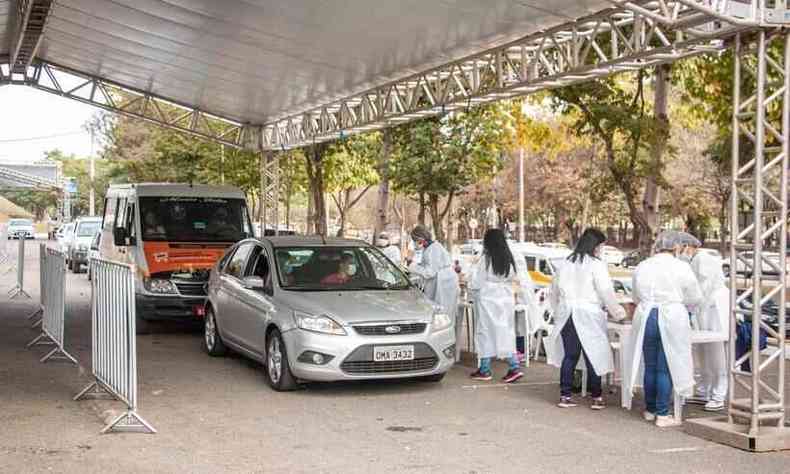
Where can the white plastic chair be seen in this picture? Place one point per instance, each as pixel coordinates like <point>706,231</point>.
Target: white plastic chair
<point>546,324</point>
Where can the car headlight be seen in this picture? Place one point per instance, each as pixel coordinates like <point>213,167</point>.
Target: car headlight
<point>322,324</point>
<point>157,285</point>
<point>441,321</point>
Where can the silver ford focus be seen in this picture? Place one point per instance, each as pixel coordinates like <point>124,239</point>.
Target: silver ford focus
<point>315,310</point>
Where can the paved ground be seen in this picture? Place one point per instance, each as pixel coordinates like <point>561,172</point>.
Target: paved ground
<point>217,415</point>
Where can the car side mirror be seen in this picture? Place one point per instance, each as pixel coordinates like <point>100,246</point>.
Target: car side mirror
<point>253,283</point>
<point>119,236</point>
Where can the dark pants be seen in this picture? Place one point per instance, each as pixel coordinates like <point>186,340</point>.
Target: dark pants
<point>573,350</point>
<point>658,380</point>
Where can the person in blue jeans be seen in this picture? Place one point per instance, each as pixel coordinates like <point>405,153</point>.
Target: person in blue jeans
<point>658,380</point>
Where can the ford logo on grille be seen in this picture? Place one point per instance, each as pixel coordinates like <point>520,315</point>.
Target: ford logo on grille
<point>392,329</point>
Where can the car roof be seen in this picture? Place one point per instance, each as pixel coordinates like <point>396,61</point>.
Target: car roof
<point>312,241</point>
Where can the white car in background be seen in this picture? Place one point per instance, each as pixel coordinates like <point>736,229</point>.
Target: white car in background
<point>554,245</point>
<point>612,255</point>
<point>64,236</point>
<point>20,229</point>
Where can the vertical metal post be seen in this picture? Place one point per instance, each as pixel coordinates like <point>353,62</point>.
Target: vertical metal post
<point>92,195</point>
<point>270,191</point>
<point>521,230</point>
<point>734,231</point>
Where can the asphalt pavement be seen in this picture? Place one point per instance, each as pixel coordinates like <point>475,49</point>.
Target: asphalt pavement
<point>218,415</point>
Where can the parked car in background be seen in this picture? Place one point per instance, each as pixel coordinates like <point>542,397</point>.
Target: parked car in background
<point>746,270</point>
<point>85,229</point>
<point>64,236</point>
<point>93,252</point>
<point>20,229</point>
<point>542,262</point>
<point>324,310</point>
<point>612,255</point>
<point>554,245</point>
<point>632,259</point>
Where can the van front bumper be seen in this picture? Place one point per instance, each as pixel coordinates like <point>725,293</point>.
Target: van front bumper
<point>169,308</point>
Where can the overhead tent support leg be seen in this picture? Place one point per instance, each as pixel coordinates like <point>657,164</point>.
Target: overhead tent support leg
<point>761,132</point>
<point>270,191</point>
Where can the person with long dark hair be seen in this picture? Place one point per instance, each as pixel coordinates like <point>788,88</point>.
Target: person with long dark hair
<point>579,291</point>
<point>491,285</point>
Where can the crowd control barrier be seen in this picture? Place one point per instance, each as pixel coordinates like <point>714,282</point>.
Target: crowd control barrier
<point>19,288</point>
<point>42,284</point>
<point>114,348</point>
<point>4,257</point>
<point>53,303</point>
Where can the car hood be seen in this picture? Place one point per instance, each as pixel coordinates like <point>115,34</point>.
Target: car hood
<point>83,240</point>
<point>348,307</point>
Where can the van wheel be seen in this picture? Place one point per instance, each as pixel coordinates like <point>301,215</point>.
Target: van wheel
<point>278,372</point>
<point>142,326</point>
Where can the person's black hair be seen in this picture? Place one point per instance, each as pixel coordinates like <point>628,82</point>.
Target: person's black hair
<point>591,238</point>
<point>497,252</point>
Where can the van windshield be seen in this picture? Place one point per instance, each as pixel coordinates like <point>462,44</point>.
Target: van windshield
<point>88,229</point>
<point>193,219</point>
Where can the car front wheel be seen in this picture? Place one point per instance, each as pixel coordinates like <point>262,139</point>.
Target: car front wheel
<point>278,371</point>
<point>214,345</point>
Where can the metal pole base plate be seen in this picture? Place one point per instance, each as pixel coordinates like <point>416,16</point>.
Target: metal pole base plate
<point>720,430</point>
<point>59,354</point>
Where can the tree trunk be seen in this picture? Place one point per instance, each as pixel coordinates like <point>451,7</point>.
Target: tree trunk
<point>436,218</point>
<point>652,197</point>
<point>315,175</point>
<point>382,217</point>
<point>421,214</point>
<point>723,228</point>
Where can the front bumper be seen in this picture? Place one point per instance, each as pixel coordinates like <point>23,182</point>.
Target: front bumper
<point>356,350</point>
<point>80,257</point>
<point>168,308</point>
<point>22,234</point>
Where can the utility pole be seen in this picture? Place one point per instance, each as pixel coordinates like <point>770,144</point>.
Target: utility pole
<point>92,198</point>
<point>521,230</point>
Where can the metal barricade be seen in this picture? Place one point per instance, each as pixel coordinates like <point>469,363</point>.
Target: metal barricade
<point>4,257</point>
<point>19,288</point>
<point>114,348</point>
<point>53,301</point>
<point>42,284</point>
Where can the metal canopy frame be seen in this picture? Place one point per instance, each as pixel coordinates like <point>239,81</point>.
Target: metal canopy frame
<point>628,36</point>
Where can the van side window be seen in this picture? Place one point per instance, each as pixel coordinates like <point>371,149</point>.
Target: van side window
<point>120,216</point>
<point>130,227</point>
<point>530,263</point>
<point>109,213</point>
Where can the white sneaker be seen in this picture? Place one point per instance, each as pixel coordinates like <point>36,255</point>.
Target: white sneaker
<point>666,422</point>
<point>713,405</point>
<point>697,400</point>
<point>648,416</point>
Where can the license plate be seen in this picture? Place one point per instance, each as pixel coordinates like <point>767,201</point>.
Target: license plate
<point>392,353</point>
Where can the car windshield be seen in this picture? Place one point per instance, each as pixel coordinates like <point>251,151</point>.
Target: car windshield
<point>87,229</point>
<point>330,268</point>
<point>193,219</point>
<point>20,222</point>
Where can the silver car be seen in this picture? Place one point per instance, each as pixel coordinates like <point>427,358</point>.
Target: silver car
<point>313,310</point>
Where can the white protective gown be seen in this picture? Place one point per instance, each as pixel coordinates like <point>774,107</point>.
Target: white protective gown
<point>713,314</point>
<point>440,282</point>
<point>582,289</point>
<point>392,252</point>
<point>495,299</point>
<point>666,283</point>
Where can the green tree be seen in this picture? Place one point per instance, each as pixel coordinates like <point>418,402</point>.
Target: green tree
<point>436,158</point>
<point>350,172</point>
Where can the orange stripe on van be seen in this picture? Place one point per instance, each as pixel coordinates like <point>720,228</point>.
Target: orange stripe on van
<point>168,257</point>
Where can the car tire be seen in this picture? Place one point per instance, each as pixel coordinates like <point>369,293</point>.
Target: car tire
<point>142,326</point>
<point>211,338</point>
<point>435,378</point>
<point>71,266</point>
<point>278,371</point>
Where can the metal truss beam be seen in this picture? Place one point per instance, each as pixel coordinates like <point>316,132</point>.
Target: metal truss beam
<point>270,192</point>
<point>31,19</point>
<point>626,37</point>
<point>27,181</point>
<point>123,100</point>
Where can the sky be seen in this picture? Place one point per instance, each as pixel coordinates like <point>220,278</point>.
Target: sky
<point>34,122</point>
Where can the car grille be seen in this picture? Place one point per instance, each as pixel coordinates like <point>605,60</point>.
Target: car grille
<point>391,367</point>
<point>360,361</point>
<point>381,330</point>
<point>191,289</point>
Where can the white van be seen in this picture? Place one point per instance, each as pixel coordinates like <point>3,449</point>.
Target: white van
<point>173,234</point>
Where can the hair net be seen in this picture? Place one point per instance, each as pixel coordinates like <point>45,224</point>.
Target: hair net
<point>667,240</point>
<point>690,240</point>
<point>421,232</point>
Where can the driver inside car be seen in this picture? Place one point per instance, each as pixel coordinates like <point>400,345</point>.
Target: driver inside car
<point>346,270</point>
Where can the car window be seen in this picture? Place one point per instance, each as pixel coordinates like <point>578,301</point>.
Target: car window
<point>544,267</point>
<point>530,263</point>
<point>326,268</point>
<point>259,266</point>
<point>237,263</point>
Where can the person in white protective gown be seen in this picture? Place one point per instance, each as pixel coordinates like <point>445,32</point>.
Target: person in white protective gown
<point>435,269</point>
<point>713,314</point>
<point>665,290</point>
<point>389,249</point>
<point>579,291</point>
<point>492,285</point>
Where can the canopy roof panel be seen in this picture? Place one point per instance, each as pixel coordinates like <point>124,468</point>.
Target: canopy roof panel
<point>256,61</point>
